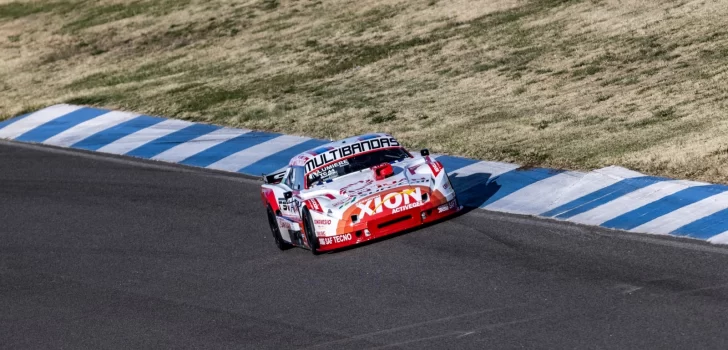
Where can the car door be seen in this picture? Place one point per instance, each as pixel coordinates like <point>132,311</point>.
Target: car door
<point>290,217</point>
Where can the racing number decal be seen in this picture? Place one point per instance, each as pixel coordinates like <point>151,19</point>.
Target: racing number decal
<point>288,207</point>
<point>289,212</point>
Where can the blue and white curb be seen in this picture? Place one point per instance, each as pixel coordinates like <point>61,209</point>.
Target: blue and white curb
<point>611,197</point>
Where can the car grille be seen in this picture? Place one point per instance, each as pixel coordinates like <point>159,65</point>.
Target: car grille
<point>395,221</point>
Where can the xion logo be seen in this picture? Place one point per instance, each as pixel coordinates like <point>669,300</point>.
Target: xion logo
<point>397,201</point>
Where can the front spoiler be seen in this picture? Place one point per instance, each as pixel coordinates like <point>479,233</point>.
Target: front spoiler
<point>381,227</point>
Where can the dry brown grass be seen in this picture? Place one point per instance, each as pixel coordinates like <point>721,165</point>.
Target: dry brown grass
<point>574,84</point>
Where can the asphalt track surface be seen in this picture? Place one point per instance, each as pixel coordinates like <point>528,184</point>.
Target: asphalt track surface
<point>102,252</point>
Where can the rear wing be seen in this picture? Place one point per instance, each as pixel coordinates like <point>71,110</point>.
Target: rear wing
<point>275,177</point>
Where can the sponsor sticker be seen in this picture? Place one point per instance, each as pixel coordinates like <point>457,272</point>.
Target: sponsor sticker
<point>289,205</point>
<point>407,207</point>
<point>342,238</point>
<point>447,206</point>
<point>348,150</point>
<point>396,201</point>
<point>347,202</point>
<point>436,168</point>
<point>314,205</point>
<point>299,160</point>
<point>328,171</point>
<point>322,222</point>
<point>335,239</point>
<point>361,185</point>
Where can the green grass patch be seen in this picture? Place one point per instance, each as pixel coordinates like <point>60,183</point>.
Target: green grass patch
<point>102,14</point>
<point>602,98</point>
<point>269,5</point>
<point>145,72</point>
<point>345,57</point>
<point>100,99</point>
<point>207,97</point>
<point>582,73</point>
<point>539,82</point>
<point>660,115</point>
<point>17,9</point>
<point>377,117</point>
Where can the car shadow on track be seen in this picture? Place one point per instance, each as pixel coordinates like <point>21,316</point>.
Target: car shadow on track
<point>474,190</point>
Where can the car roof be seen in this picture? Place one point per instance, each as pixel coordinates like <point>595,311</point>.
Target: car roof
<point>304,156</point>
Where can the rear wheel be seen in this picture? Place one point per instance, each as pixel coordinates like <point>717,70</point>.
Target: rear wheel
<point>276,231</point>
<point>310,231</point>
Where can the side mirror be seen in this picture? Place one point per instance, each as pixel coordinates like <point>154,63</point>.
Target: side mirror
<point>425,152</point>
<point>288,195</point>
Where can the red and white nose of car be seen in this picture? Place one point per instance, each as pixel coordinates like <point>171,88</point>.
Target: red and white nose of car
<point>392,202</point>
<point>385,203</point>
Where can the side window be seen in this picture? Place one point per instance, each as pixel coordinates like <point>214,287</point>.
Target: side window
<point>294,178</point>
<point>297,178</point>
<point>288,178</point>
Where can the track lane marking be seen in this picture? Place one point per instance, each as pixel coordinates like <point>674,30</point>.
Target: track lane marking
<point>632,201</point>
<point>460,334</point>
<point>405,327</point>
<point>200,144</point>
<point>238,161</point>
<point>34,120</point>
<point>144,136</point>
<point>90,127</point>
<point>672,221</point>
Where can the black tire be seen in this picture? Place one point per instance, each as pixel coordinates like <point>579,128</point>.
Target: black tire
<point>276,231</point>
<point>310,232</point>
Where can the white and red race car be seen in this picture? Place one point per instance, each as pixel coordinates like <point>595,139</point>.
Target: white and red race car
<point>354,190</point>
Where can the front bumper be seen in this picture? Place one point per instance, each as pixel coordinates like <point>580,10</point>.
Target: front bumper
<point>390,224</point>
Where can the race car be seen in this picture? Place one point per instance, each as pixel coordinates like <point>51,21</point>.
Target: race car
<point>354,190</point>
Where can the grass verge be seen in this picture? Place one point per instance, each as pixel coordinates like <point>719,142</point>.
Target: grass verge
<point>577,84</point>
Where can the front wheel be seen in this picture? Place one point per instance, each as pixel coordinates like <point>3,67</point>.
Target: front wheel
<point>276,231</point>
<point>310,231</point>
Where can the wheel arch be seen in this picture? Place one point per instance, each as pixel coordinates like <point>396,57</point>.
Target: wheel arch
<point>311,237</point>
<point>269,198</point>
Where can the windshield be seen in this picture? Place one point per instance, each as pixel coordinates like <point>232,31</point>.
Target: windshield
<point>355,163</point>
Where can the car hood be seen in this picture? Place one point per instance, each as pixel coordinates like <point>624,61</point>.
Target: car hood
<point>347,190</point>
